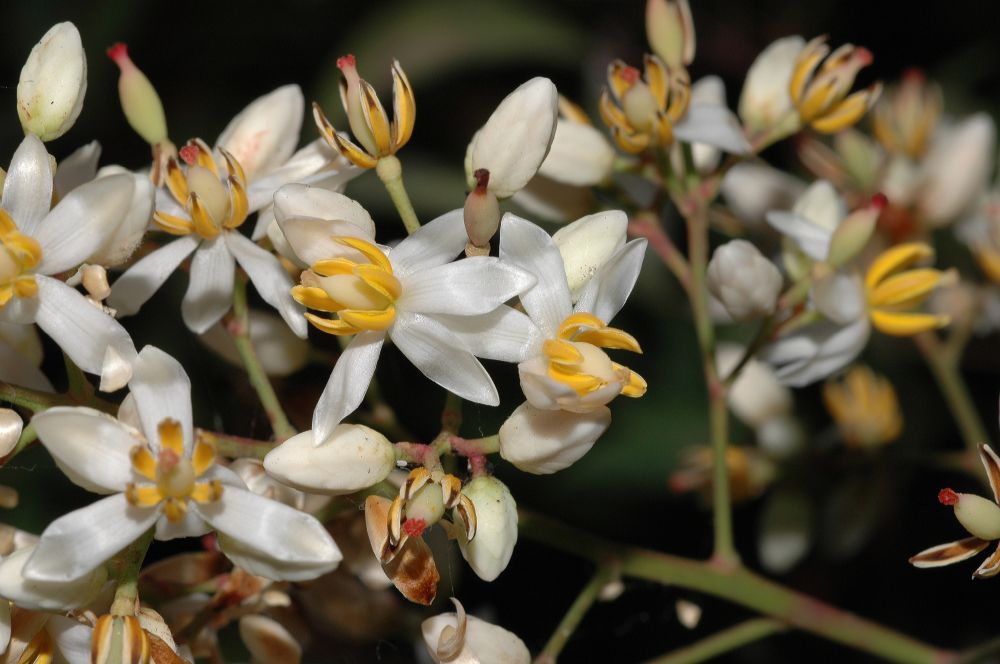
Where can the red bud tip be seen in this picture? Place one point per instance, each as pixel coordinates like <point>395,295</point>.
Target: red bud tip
<point>210,542</point>
<point>914,74</point>
<point>346,62</point>
<point>119,53</point>
<point>630,75</point>
<point>482,176</point>
<point>189,154</point>
<point>947,497</point>
<point>414,527</point>
<point>879,201</point>
<point>864,56</point>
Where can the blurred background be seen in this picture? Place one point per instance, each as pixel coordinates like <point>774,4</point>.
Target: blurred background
<point>865,514</point>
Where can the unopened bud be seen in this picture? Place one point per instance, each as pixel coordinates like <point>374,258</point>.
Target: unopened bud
<point>119,640</point>
<point>496,527</point>
<point>482,212</point>
<point>744,281</point>
<point>53,83</point>
<point>456,637</point>
<point>853,233</point>
<point>588,243</point>
<point>139,99</point>
<point>765,103</point>
<point>670,31</point>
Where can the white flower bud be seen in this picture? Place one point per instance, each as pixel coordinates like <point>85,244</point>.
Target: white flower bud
<point>280,352</point>
<point>781,437</point>
<point>580,155</point>
<point>752,189</point>
<point>546,441</point>
<point>496,527</point>
<point>515,140</point>
<point>353,458</point>
<point>755,396</point>
<point>765,103</point>
<point>588,243</point>
<point>457,638</point>
<point>670,31</point>
<point>956,170</point>
<point>981,517</point>
<point>10,430</point>
<point>53,83</point>
<point>745,282</point>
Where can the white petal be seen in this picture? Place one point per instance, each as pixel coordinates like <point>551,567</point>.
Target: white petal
<point>840,297</point>
<point>816,351</point>
<point>210,291</point>
<point>503,334</point>
<point>20,311</point>
<point>17,369</point>
<point>712,124</point>
<point>27,189</point>
<point>765,99</point>
<point>435,243</point>
<point>145,277</point>
<point>785,531</point>
<point>546,441</point>
<point>11,426</point>
<point>354,457</point>
<point>128,233</point>
<point>45,595</point>
<point>530,248</point>
<point>580,155</point>
<point>957,169</point>
<point>91,447</point>
<point>588,243</point>
<point>467,287</point>
<point>79,167</point>
<point>312,239</point>
<point>515,140</point>
<point>496,527</point>
<point>83,331</point>
<point>605,294</point>
<point>53,82</point>
<point>263,135</point>
<point>162,390</point>
<point>288,542</point>
<point>752,189</point>
<point>72,639</point>
<point>440,356</point>
<point>75,544</point>
<point>348,383</point>
<point>810,238</point>
<point>270,279</point>
<point>83,221</point>
<point>314,165</point>
<point>190,525</point>
<point>299,200</point>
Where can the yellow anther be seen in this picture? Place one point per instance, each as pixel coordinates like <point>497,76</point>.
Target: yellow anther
<point>865,407</point>
<point>821,96</point>
<point>893,291</point>
<point>640,111</point>
<point>19,255</point>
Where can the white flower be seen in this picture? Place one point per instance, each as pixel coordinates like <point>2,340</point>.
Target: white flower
<point>708,103</point>
<point>430,307</point>
<point>745,282</point>
<point>751,189</point>
<point>765,103</point>
<point>354,458</point>
<point>756,396</point>
<point>162,477</point>
<point>813,219</point>
<point>53,83</point>
<point>36,242</point>
<point>515,140</point>
<point>496,527</point>
<point>547,441</point>
<point>956,169</point>
<point>455,638</point>
<point>588,243</point>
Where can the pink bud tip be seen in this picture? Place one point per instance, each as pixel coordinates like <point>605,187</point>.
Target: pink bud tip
<point>630,75</point>
<point>879,201</point>
<point>947,497</point>
<point>482,176</point>
<point>864,56</point>
<point>119,53</point>
<point>414,527</point>
<point>346,62</point>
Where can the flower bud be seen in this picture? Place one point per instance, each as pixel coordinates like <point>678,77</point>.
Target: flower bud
<point>745,282</point>
<point>755,396</point>
<point>515,140</point>
<point>269,641</point>
<point>765,104</point>
<point>496,527</point>
<point>10,430</point>
<point>482,214</point>
<point>119,640</point>
<point>353,458</point>
<point>53,83</point>
<point>580,155</point>
<point>956,170</point>
<point>280,352</point>
<point>139,99</point>
<point>670,31</point>
<point>981,517</point>
<point>853,233</point>
<point>546,441</point>
<point>588,243</point>
<point>752,189</point>
<point>456,637</point>
<point>905,117</point>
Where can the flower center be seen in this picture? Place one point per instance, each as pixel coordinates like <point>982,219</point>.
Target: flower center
<point>19,254</point>
<point>173,477</point>
<point>362,293</point>
<point>575,357</point>
<point>640,106</point>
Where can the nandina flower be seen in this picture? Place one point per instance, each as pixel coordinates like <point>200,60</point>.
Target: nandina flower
<point>905,117</point>
<point>367,118</point>
<point>163,477</point>
<point>36,242</point>
<point>413,294</point>
<point>456,637</point>
<point>893,291</point>
<point>981,517</point>
<point>820,95</point>
<point>865,407</point>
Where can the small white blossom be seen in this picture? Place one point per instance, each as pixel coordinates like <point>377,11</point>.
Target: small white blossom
<point>496,527</point>
<point>765,103</point>
<point>956,170</point>
<point>53,83</point>
<point>745,282</point>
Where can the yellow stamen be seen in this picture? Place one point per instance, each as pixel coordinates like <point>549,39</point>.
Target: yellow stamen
<point>907,324</point>
<point>143,462</point>
<point>404,109</point>
<point>171,436</point>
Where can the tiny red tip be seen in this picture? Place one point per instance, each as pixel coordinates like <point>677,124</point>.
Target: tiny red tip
<point>864,56</point>
<point>947,497</point>
<point>482,177</point>
<point>915,74</point>
<point>118,52</point>
<point>414,527</point>
<point>879,201</point>
<point>345,61</point>
<point>189,154</point>
<point>630,75</point>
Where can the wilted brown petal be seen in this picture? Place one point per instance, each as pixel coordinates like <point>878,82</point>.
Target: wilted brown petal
<point>992,465</point>
<point>990,566</point>
<point>414,572</point>
<point>946,554</point>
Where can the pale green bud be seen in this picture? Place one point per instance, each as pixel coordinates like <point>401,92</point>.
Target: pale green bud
<point>139,99</point>
<point>853,233</point>
<point>670,31</point>
<point>53,83</point>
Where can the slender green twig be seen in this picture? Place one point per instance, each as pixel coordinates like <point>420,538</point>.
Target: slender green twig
<point>125,569</point>
<point>235,447</point>
<point>722,642</point>
<point>577,610</point>
<point>390,172</point>
<point>238,326</point>
<point>78,386</point>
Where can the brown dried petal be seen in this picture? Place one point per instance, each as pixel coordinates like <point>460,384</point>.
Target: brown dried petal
<point>946,554</point>
<point>414,572</point>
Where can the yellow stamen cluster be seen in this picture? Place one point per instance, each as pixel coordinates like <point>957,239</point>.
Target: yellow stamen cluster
<point>904,119</point>
<point>173,475</point>
<point>894,291</point>
<point>643,111</point>
<point>40,649</point>
<point>361,293</point>
<point>865,408</point>
<point>575,357</point>
<point>378,137</point>
<point>820,93</point>
<point>213,200</point>
<point>19,254</point>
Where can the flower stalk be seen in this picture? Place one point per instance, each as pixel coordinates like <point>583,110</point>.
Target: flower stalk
<point>574,615</point>
<point>723,641</point>
<point>125,568</point>
<point>390,172</point>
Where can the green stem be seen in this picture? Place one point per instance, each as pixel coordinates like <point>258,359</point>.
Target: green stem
<point>78,387</point>
<point>31,399</point>
<point>740,586</point>
<point>238,326</point>
<point>567,626</point>
<point>125,568</point>
<point>956,393</point>
<point>761,338</point>
<point>27,437</point>
<point>723,642</point>
<point>235,447</point>
<point>390,172</point>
